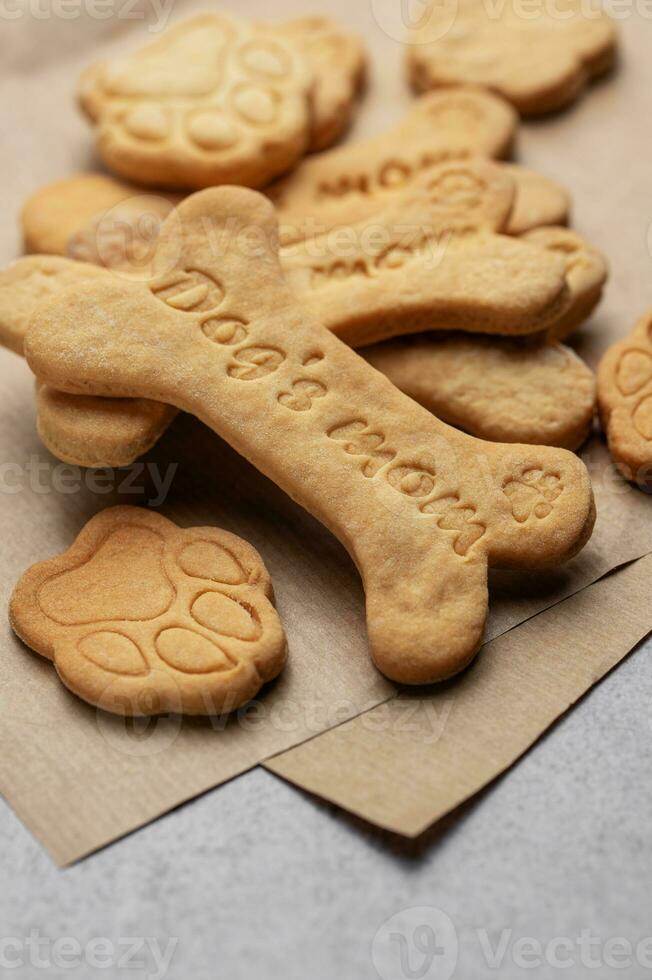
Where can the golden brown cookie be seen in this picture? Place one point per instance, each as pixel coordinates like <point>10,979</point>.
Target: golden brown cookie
<point>214,100</point>
<point>434,259</point>
<point>351,183</point>
<point>95,432</point>
<point>66,217</point>
<point>625,402</point>
<point>587,271</point>
<point>496,389</point>
<point>540,60</point>
<point>422,508</point>
<point>338,63</point>
<point>101,219</point>
<point>98,432</point>
<point>26,283</point>
<point>142,617</point>
<point>540,201</point>
<point>86,431</point>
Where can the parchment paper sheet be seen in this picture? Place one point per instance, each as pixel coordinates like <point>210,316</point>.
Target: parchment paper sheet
<point>80,780</point>
<point>415,758</point>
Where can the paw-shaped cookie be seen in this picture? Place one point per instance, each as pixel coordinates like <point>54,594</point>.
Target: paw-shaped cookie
<point>142,617</point>
<point>213,101</point>
<point>539,61</point>
<point>533,494</point>
<point>625,402</point>
<point>337,60</point>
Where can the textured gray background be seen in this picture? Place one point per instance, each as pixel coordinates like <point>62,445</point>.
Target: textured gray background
<point>258,880</point>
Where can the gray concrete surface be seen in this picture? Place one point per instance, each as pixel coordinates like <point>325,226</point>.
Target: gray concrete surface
<point>547,874</point>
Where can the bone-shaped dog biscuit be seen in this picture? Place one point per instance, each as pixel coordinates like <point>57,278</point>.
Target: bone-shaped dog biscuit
<point>350,183</point>
<point>436,260</point>
<point>97,218</point>
<point>141,617</point>
<point>625,402</point>
<point>422,509</point>
<point>214,100</point>
<point>443,233</point>
<point>540,60</point>
<point>94,431</point>
<point>306,210</point>
<point>542,394</point>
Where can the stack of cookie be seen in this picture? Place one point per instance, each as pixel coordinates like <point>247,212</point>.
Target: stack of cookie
<point>450,272</point>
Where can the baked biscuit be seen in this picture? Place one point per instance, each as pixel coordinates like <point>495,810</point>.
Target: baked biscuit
<point>587,271</point>
<point>625,402</point>
<point>141,617</point>
<point>351,183</point>
<point>505,391</point>
<point>539,60</point>
<point>85,431</point>
<point>337,60</point>
<point>422,508</point>
<point>214,100</point>
<point>96,432</point>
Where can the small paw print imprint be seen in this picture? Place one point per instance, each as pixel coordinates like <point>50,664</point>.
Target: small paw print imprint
<point>142,617</point>
<point>533,494</point>
<point>211,98</point>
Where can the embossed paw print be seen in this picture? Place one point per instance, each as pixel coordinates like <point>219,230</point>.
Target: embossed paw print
<point>214,100</point>
<point>634,380</point>
<point>533,494</point>
<point>142,617</point>
<point>625,401</point>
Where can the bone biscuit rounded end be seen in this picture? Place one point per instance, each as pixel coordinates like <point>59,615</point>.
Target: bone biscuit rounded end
<point>99,432</point>
<point>587,271</point>
<point>552,485</point>
<point>31,281</point>
<point>56,212</point>
<point>540,201</point>
<point>424,629</point>
<point>497,390</point>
